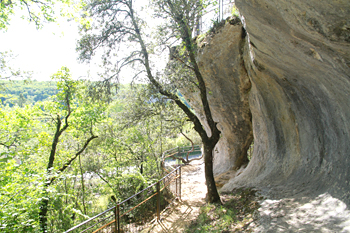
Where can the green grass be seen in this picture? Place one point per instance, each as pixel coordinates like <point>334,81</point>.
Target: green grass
<point>235,214</point>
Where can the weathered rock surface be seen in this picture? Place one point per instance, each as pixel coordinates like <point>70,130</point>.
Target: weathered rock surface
<point>297,58</point>
<point>220,59</point>
<point>290,76</point>
<point>294,69</point>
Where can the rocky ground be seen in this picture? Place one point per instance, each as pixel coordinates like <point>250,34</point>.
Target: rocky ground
<point>320,214</point>
<point>323,213</point>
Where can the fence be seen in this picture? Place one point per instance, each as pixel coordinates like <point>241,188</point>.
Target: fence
<point>127,216</point>
<point>214,12</point>
<point>181,152</point>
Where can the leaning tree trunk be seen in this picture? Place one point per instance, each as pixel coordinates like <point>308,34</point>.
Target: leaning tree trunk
<point>209,142</point>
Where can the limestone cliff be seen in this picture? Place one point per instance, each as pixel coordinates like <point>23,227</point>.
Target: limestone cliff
<point>293,68</point>
<point>220,59</point>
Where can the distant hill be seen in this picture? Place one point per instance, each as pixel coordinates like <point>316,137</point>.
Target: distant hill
<point>26,92</point>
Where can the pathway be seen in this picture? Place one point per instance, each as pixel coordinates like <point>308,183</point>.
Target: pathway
<point>179,215</point>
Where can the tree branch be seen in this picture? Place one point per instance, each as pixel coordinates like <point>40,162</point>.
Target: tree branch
<point>187,39</point>
<point>177,58</point>
<point>73,158</point>
<point>5,204</point>
<point>102,178</point>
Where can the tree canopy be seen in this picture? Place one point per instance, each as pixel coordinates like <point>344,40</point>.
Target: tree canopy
<point>38,12</point>
<point>119,23</point>
<point>67,146</point>
<point>22,92</point>
<point>53,164</point>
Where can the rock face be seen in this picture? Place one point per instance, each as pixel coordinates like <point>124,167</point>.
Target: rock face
<point>289,75</point>
<point>297,57</point>
<point>220,59</point>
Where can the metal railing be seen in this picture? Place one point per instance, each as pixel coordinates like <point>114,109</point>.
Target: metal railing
<point>128,217</point>
<point>181,151</point>
<point>213,13</point>
<point>174,155</point>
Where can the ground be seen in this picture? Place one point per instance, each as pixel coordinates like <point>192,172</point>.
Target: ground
<point>192,214</point>
<point>245,210</point>
<point>179,215</point>
<point>323,213</point>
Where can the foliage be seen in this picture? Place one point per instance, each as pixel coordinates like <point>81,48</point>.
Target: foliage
<point>19,182</point>
<point>7,72</point>
<point>122,27</point>
<point>124,158</point>
<point>183,14</point>
<point>26,146</point>
<point>235,11</point>
<point>20,92</point>
<point>53,175</point>
<point>70,120</point>
<point>37,11</point>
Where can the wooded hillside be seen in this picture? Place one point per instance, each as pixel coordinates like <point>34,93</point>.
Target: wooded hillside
<point>26,92</point>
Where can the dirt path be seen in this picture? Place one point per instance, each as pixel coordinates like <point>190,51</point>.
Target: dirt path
<point>179,215</point>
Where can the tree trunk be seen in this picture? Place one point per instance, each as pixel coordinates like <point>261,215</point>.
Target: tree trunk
<point>212,192</point>
<point>82,185</point>
<point>43,211</point>
<point>208,142</point>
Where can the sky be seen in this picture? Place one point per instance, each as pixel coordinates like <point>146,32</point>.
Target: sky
<point>46,50</point>
<point>43,51</point>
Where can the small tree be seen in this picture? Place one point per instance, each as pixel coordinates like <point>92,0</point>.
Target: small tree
<point>38,146</point>
<point>116,22</point>
<point>68,113</point>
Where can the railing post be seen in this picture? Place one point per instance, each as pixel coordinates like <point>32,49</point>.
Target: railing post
<point>167,180</point>
<point>117,222</point>
<point>158,201</point>
<point>176,181</point>
<point>180,183</point>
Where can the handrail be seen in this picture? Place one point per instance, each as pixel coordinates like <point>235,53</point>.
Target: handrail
<point>137,194</point>
<point>118,216</point>
<point>180,150</point>
<point>165,181</point>
<point>176,149</point>
<point>89,220</point>
<point>217,12</point>
<point>96,224</point>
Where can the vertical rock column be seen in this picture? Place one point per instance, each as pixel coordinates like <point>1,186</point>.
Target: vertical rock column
<point>220,60</point>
